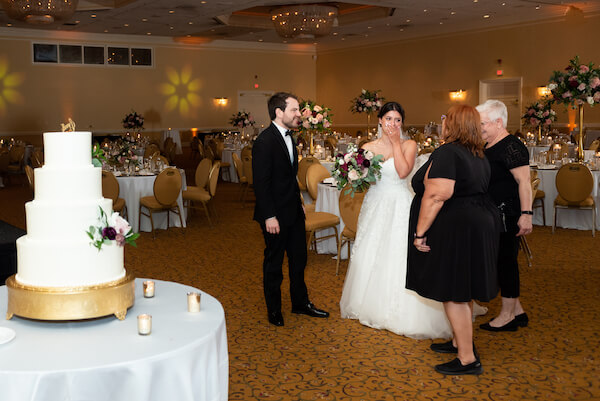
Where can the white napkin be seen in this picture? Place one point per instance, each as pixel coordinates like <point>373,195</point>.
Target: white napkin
<point>330,180</point>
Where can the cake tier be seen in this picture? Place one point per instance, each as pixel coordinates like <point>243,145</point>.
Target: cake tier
<point>69,149</point>
<point>67,184</point>
<point>64,220</point>
<point>56,263</point>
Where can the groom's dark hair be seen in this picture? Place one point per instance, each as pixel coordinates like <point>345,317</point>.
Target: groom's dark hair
<point>278,101</point>
<point>389,106</point>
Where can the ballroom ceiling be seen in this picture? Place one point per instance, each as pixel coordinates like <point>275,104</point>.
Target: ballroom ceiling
<point>359,22</point>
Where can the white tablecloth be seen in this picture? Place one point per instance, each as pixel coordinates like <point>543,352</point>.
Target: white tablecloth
<point>328,201</point>
<point>579,219</point>
<point>184,358</point>
<point>174,134</point>
<point>133,188</point>
<point>226,157</point>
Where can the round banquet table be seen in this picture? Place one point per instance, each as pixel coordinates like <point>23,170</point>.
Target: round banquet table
<point>184,358</point>
<point>132,188</point>
<point>328,197</point>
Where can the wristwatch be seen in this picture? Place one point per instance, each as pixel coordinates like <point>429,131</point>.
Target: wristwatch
<point>530,212</point>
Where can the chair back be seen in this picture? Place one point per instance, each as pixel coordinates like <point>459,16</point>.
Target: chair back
<point>574,182</point>
<point>170,151</point>
<point>110,186</point>
<point>533,174</point>
<point>4,159</point>
<point>303,166</point>
<point>214,178</point>
<point>159,157</point>
<point>17,153</point>
<point>201,150</point>
<point>247,166</point>
<point>220,146</point>
<point>208,152</point>
<point>37,158</point>
<point>535,184</point>
<point>211,143</point>
<point>29,172</point>
<point>315,174</point>
<point>167,186</point>
<point>150,150</point>
<point>595,144</point>
<point>246,151</point>
<point>237,163</point>
<point>350,207</point>
<point>426,150</point>
<point>168,140</point>
<point>203,173</point>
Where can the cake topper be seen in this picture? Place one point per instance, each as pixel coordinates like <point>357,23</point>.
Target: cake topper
<point>68,127</point>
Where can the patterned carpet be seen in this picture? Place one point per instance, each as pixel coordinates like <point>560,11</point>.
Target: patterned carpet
<point>555,358</point>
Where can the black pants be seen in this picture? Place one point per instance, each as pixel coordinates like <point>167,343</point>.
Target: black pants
<point>508,267</point>
<point>290,240</point>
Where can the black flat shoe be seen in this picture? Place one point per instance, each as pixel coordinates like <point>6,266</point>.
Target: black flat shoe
<point>455,367</point>
<point>444,348</point>
<point>276,318</point>
<point>310,310</point>
<point>522,319</point>
<point>513,325</point>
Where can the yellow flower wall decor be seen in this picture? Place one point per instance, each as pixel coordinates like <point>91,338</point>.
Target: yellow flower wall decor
<point>181,91</point>
<point>9,82</point>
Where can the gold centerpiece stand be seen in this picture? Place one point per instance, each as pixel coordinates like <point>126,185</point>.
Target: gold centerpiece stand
<point>70,303</point>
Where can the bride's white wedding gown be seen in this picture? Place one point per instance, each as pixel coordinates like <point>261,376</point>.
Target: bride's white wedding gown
<point>374,290</point>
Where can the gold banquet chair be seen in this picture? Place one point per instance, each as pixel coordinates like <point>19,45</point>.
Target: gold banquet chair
<point>538,197</point>
<point>317,221</point>
<point>314,175</point>
<point>30,175</point>
<point>201,195</point>
<point>303,166</point>
<point>349,212</point>
<point>595,145</point>
<point>237,163</point>
<point>574,183</point>
<point>110,190</point>
<point>167,187</point>
<point>247,168</point>
<point>151,150</point>
<point>37,158</point>
<point>535,183</point>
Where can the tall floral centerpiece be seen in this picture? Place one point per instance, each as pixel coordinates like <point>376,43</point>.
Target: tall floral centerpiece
<point>577,85</point>
<point>539,116</point>
<point>242,119</point>
<point>367,102</point>
<point>133,121</point>
<point>315,119</point>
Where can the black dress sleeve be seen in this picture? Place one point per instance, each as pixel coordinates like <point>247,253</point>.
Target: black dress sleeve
<point>443,163</point>
<point>515,155</point>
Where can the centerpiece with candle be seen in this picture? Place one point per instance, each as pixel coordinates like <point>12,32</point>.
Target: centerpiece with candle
<point>315,119</point>
<point>539,116</point>
<point>369,102</point>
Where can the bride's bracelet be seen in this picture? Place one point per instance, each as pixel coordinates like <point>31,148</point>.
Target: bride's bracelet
<point>419,237</point>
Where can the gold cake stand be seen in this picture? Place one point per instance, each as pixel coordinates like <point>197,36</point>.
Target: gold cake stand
<point>70,303</point>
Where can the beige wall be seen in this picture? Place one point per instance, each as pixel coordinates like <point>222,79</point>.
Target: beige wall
<point>98,98</point>
<point>420,73</point>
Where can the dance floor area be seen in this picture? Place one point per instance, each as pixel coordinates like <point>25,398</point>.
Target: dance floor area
<point>555,358</point>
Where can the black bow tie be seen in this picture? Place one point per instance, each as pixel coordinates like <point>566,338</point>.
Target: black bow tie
<point>288,133</point>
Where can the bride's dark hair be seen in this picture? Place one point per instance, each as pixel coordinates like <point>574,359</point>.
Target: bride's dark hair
<point>389,106</point>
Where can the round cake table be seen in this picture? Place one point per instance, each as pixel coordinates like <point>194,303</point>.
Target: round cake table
<point>184,358</point>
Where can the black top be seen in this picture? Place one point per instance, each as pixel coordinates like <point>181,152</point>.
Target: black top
<point>507,154</point>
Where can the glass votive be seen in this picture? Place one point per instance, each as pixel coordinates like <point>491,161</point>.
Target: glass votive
<point>148,289</point>
<point>193,301</point>
<point>144,324</point>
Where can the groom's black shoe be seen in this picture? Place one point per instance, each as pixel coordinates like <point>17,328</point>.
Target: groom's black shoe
<point>276,318</point>
<point>310,310</point>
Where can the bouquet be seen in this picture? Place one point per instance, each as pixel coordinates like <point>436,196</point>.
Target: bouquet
<point>315,117</point>
<point>133,120</point>
<point>577,84</point>
<point>111,228</point>
<point>367,102</point>
<point>242,119</point>
<point>357,168</point>
<point>539,114</point>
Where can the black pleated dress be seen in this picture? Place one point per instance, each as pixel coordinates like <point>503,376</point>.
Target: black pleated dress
<point>461,264</point>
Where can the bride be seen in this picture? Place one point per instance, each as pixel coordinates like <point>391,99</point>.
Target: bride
<point>374,290</point>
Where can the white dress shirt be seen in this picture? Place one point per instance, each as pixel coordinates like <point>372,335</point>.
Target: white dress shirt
<point>287,139</point>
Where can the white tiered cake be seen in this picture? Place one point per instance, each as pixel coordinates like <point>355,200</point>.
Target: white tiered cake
<point>56,252</point>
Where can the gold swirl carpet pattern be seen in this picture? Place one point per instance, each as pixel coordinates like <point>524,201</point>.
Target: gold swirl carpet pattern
<point>555,358</point>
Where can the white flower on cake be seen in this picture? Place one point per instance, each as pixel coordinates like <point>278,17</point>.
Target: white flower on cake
<point>111,228</point>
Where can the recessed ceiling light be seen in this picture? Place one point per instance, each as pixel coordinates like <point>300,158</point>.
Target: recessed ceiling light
<point>77,22</point>
<point>387,24</point>
<point>407,20</point>
<point>537,7</point>
<point>260,40</point>
<point>144,19</point>
<point>486,16</point>
<point>369,27</point>
<point>171,11</point>
<point>452,12</point>
<point>503,4</point>
<point>106,30</point>
<point>148,33</point>
<point>441,23</point>
<point>425,10</point>
<point>202,2</point>
<point>171,27</point>
<point>93,15</point>
<point>314,43</point>
<point>343,38</point>
<point>189,36</point>
<point>475,1</point>
<point>125,24</point>
<point>366,36</point>
<point>8,24</point>
<point>285,41</point>
<point>401,29</point>
<point>190,23</point>
<point>212,30</point>
<point>335,34</point>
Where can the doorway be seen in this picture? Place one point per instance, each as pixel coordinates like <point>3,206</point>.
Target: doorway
<point>255,103</point>
<point>508,91</point>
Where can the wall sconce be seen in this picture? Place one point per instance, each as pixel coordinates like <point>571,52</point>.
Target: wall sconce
<point>221,101</point>
<point>543,91</point>
<point>194,131</point>
<point>458,95</point>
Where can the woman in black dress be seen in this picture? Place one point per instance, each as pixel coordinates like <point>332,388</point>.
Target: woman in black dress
<point>454,228</point>
<point>510,189</point>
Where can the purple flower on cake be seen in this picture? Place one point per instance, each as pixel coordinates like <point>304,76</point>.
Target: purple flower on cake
<point>111,228</point>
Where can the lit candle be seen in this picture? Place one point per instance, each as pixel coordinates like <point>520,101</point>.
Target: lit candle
<point>193,301</point>
<point>144,324</point>
<point>148,289</point>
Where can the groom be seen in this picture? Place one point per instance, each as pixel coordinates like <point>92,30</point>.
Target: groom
<point>279,209</point>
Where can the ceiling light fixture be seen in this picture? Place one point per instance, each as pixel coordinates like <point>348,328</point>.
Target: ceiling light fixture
<point>304,21</point>
<point>40,11</point>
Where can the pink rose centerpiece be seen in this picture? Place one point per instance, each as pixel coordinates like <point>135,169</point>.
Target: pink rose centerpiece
<point>315,117</point>
<point>539,114</point>
<point>111,228</point>
<point>242,119</point>
<point>358,169</point>
<point>369,101</point>
<point>133,121</point>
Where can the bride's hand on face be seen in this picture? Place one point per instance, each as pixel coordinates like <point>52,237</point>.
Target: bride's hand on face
<point>392,131</point>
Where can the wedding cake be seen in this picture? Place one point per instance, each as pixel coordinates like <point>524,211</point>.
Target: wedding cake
<point>57,251</point>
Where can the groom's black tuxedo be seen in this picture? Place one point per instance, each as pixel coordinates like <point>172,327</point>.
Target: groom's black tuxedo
<point>278,195</point>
